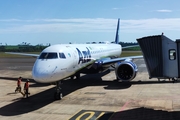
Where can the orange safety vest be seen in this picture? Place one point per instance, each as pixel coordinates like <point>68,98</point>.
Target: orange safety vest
<point>26,85</point>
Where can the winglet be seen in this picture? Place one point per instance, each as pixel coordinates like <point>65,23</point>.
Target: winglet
<point>117,33</point>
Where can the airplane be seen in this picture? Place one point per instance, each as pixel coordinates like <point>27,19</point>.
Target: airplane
<point>61,61</point>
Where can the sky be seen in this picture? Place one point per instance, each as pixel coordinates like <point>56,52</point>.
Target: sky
<point>81,21</point>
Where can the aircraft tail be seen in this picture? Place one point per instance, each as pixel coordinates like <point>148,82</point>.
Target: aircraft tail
<point>117,33</point>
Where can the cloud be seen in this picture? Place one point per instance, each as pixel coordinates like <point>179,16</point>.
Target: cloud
<point>88,25</point>
<point>164,11</point>
<point>115,8</point>
<point>58,25</point>
<point>153,24</point>
<point>10,20</point>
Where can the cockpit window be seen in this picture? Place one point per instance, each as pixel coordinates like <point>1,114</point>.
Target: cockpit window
<point>61,55</point>
<point>48,55</point>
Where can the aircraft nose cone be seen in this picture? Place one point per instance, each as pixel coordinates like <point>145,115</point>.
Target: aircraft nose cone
<point>40,75</point>
<point>43,73</point>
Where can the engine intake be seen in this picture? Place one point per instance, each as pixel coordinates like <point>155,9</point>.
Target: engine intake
<point>126,70</point>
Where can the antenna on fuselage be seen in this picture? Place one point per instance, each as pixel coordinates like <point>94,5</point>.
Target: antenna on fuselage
<point>117,33</point>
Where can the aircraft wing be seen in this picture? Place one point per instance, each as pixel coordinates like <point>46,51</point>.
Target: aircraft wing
<point>24,54</point>
<point>130,46</point>
<point>110,61</point>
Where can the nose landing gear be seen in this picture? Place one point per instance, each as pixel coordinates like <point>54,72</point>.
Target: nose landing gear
<point>58,91</point>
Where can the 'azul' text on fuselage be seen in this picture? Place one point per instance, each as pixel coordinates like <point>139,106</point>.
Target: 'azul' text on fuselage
<point>84,56</point>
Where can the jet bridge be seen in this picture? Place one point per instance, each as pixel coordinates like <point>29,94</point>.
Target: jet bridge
<point>161,56</point>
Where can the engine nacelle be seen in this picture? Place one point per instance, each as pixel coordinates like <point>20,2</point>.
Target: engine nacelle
<point>126,70</point>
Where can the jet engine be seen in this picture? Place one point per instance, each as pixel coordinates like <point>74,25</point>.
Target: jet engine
<point>126,70</point>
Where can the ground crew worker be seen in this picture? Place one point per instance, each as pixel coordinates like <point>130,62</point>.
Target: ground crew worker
<point>18,88</point>
<point>26,88</point>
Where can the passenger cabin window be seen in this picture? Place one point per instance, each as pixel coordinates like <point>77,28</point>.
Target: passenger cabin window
<point>61,55</point>
<point>48,55</point>
<point>172,54</point>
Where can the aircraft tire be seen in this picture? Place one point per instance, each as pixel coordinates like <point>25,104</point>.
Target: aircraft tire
<point>58,95</point>
<point>72,77</point>
<point>78,76</point>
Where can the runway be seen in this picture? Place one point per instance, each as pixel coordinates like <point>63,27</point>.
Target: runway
<point>96,96</point>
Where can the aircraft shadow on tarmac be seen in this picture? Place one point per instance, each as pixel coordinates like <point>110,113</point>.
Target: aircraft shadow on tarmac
<point>39,100</point>
<point>141,114</point>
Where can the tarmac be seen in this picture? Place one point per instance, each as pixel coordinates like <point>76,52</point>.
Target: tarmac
<point>95,96</point>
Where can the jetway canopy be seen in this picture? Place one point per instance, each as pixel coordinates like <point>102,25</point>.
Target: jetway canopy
<point>160,55</point>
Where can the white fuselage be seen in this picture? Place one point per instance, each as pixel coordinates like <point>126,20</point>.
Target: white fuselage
<point>63,60</point>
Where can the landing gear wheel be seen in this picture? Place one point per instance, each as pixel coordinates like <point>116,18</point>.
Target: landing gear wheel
<point>117,79</point>
<point>60,96</point>
<point>77,76</point>
<point>58,93</point>
<point>174,80</point>
<point>72,77</point>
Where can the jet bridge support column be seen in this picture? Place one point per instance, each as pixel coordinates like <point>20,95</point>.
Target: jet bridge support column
<point>178,55</point>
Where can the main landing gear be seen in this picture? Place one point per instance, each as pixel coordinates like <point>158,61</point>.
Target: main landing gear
<point>77,75</point>
<point>58,91</point>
